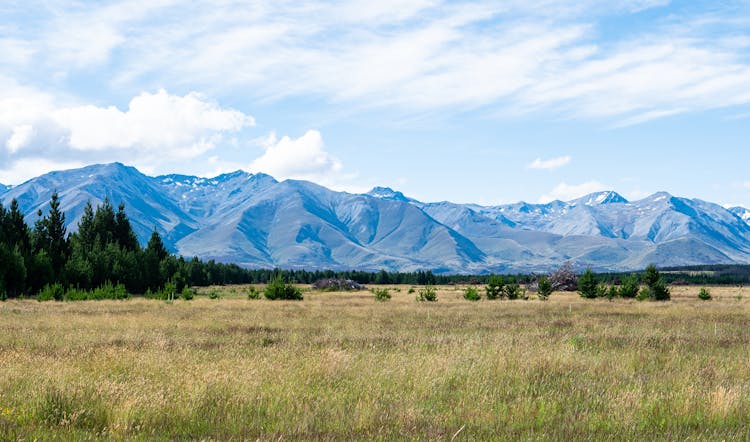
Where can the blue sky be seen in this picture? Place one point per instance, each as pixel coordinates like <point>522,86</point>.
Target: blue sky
<point>487,102</point>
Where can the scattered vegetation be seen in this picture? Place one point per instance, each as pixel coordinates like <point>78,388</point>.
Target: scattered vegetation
<point>253,293</point>
<point>704,294</point>
<point>381,294</point>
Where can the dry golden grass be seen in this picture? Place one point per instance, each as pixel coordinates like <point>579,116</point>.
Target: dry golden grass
<point>343,366</point>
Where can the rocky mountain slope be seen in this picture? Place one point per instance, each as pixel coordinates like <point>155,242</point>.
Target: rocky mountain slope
<point>255,220</point>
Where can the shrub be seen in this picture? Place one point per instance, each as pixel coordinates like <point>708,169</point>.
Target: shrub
<point>214,294</point>
<point>613,292</point>
<point>410,291</point>
<point>429,294</point>
<point>644,294</point>
<point>187,294</point>
<point>253,293</point>
<point>629,287</point>
<point>51,292</point>
<point>658,290</point>
<point>472,294</point>
<point>588,287</point>
<point>704,294</point>
<point>381,294</point>
<point>495,287</point>
<point>277,288</point>
<point>512,290</point>
<point>543,288</point>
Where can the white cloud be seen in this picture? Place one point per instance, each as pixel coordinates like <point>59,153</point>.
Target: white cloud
<point>181,126</point>
<point>27,168</point>
<point>20,138</point>
<point>156,128</point>
<point>567,192</point>
<point>298,158</point>
<point>552,163</point>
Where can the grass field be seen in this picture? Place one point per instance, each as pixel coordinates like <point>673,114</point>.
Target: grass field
<point>343,366</point>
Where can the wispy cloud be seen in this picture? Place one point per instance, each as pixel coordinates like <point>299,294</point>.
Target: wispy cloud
<point>429,55</point>
<point>552,163</point>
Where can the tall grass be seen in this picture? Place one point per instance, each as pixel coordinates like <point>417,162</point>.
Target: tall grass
<point>343,366</point>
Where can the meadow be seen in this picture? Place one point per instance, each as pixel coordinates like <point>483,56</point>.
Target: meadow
<point>342,366</point>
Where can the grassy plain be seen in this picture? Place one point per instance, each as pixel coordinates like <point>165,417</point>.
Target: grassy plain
<point>341,366</point>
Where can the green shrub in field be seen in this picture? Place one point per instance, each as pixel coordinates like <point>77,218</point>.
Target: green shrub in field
<point>495,287</point>
<point>214,294</point>
<point>51,292</point>
<point>588,287</point>
<point>544,288</point>
<point>658,290</point>
<point>381,294</point>
<point>704,294</point>
<point>253,293</point>
<point>644,294</point>
<point>429,294</point>
<point>613,292</point>
<point>187,294</point>
<point>410,291</point>
<point>472,294</point>
<point>629,287</point>
<point>512,290</point>
<point>277,288</point>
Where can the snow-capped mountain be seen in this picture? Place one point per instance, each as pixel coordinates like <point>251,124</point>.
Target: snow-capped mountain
<point>255,220</point>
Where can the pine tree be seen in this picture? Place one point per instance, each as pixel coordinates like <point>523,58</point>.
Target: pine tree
<point>123,232</point>
<point>657,289</point>
<point>588,287</point>
<point>156,246</point>
<point>86,233</point>
<point>104,224</point>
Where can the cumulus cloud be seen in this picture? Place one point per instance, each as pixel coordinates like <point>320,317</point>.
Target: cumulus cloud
<point>552,163</point>
<point>155,128</point>
<point>567,192</point>
<point>297,158</point>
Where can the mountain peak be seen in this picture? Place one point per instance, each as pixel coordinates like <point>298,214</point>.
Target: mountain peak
<point>386,193</point>
<point>600,198</point>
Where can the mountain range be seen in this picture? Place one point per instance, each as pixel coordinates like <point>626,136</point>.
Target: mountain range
<point>256,221</point>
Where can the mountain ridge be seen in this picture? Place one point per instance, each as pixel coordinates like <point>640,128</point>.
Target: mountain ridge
<point>255,220</point>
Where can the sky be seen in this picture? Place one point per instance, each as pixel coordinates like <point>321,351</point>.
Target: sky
<point>466,101</point>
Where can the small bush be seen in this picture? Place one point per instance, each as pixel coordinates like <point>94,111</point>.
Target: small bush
<point>410,291</point>
<point>51,292</point>
<point>704,294</point>
<point>629,287</point>
<point>495,287</point>
<point>544,288</point>
<point>613,292</point>
<point>187,294</point>
<point>277,288</point>
<point>214,294</point>
<point>472,294</point>
<point>429,294</point>
<point>253,293</point>
<point>381,294</point>
<point>644,294</point>
<point>588,287</point>
<point>512,290</point>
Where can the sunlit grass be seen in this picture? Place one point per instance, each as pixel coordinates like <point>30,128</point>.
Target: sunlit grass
<point>344,366</point>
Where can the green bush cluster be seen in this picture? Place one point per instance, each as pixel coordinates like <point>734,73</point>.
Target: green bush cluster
<point>278,288</point>
<point>57,292</point>
<point>472,294</point>
<point>381,294</point>
<point>428,294</point>
<point>253,293</point>
<point>499,287</point>
<point>704,294</point>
